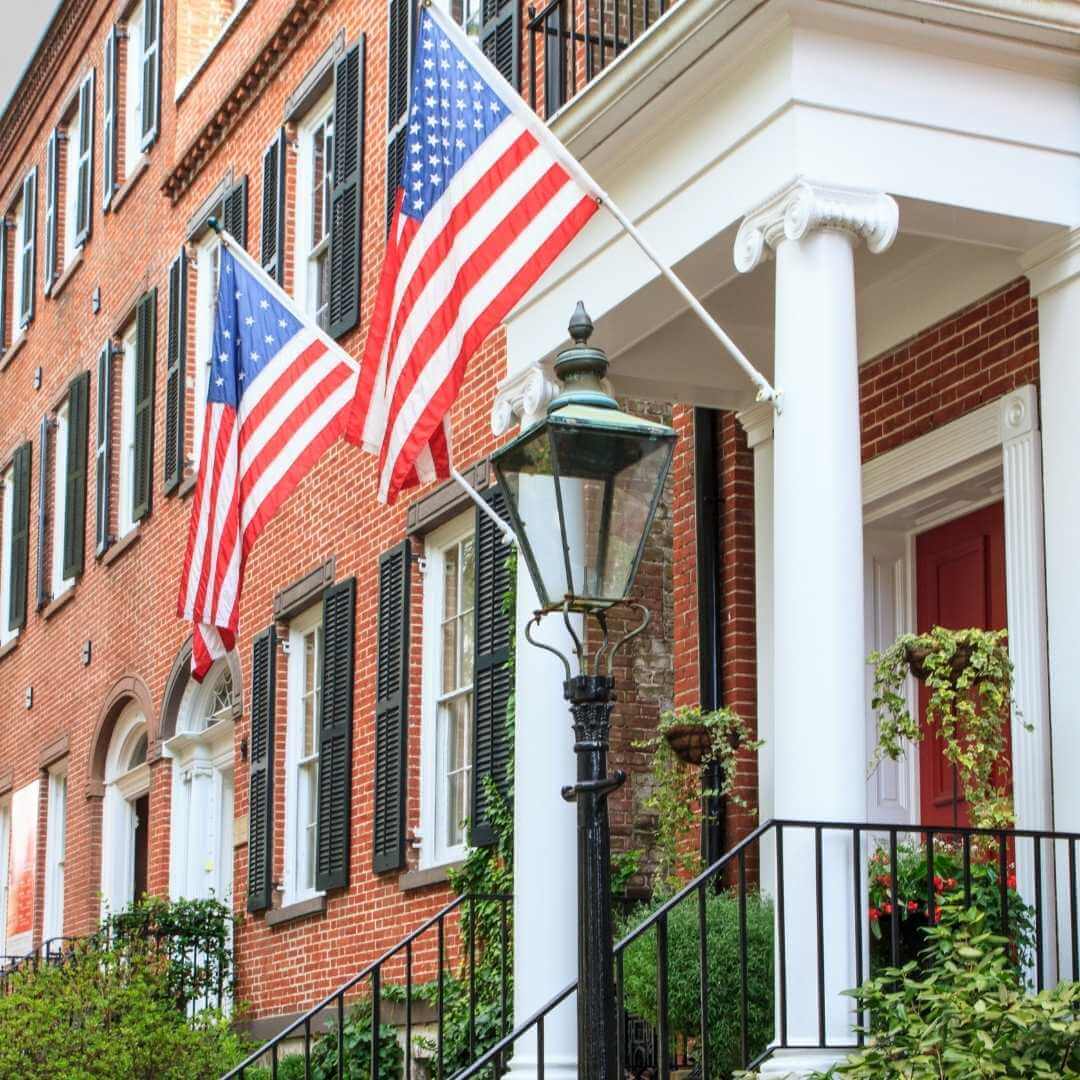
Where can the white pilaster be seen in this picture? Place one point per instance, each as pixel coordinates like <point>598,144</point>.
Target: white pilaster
<point>818,685</point>
<point>757,421</point>
<point>545,826</point>
<point>1054,272</point>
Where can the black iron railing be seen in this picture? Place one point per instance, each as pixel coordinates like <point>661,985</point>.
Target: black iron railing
<point>440,956</point>
<point>572,41</point>
<point>1028,880</point>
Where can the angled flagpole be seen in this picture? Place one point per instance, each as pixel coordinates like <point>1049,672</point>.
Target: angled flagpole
<point>533,123</point>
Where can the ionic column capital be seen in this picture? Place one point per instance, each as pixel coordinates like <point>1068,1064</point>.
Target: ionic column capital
<point>805,206</point>
<point>523,398</point>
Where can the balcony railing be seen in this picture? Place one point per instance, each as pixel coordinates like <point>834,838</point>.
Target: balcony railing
<point>572,41</point>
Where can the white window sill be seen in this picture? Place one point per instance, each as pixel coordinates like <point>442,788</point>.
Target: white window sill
<point>428,875</point>
<point>72,264</point>
<point>13,348</point>
<point>122,192</point>
<point>59,601</point>
<point>297,908</point>
<point>9,645</point>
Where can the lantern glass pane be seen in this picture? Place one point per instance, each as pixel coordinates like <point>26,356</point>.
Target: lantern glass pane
<point>609,481</point>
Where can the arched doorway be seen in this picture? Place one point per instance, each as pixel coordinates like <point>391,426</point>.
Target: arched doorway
<point>201,718</point>
<point>125,833</point>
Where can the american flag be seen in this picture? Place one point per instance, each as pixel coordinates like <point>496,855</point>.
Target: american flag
<point>278,395</point>
<point>487,200</point>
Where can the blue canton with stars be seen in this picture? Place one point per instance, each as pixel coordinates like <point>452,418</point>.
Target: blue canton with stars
<point>249,329</point>
<point>453,111</point>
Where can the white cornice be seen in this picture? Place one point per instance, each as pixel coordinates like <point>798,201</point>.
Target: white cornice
<point>1053,262</point>
<point>806,205</point>
<point>757,422</point>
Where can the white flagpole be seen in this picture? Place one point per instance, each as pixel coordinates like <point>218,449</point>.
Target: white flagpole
<point>765,391</point>
<point>507,532</point>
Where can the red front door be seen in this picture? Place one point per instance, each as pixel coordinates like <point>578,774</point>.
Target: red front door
<point>960,583</point>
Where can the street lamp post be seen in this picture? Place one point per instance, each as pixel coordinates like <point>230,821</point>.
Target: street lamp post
<point>582,487</point>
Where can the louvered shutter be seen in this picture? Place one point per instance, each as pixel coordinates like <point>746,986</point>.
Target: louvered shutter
<point>492,677</point>
<point>335,737</point>
<point>346,199</point>
<point>27,242</point>
<point>176,361</point>
<point>145,347</point>
<point>500,38</point>
<point>85,150</point>
<point>52,188</point>
<point>151,72</point>
<point>234,211</point>
<point>391,707</point>
<point>272,224</point>
<point>402,20</point>
<point>108,120</point>
<point>261,771</point>
<point>20,537</point>
<point>44,582</point>
<point>103,450</point>
<point>75,476</point>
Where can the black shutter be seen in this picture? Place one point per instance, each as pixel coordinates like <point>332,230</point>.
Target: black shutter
<point>401,22</point>
<point>346,200</point>
<point>85,172</point>
<point>103,449</point>
<point>108,120</point>
<point>500,38</point>
<point>492,681</point>
<point>145,348</point>
<point>176,368</point>
<point>391,707</point>
<point>52,188</point>
<point>75,476</point>
<point>20,537</point>
<point>335,737</point>
<point>27,242</point>
<point>261,771</point>
<point>44,578</point>
<point>272,238</point>
<point>151,72</point>
<point>234,212</point>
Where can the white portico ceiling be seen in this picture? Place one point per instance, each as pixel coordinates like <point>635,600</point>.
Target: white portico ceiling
<point>975,134</point>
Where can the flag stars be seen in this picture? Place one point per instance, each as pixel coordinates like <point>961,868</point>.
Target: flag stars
<point>254,357</point>
<point>249,321</point>
<point>264,304</point>
<point>282,323</point>
<point>269,339</point>
<point>223,357</point>
<point>219,381</point>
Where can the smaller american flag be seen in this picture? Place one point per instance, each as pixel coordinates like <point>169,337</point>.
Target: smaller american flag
<point>488,198</point>
<point>278,395</point>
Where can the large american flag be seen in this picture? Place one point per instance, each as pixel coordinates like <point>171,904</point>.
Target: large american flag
<point>278,395</point>
<point>488,198</point>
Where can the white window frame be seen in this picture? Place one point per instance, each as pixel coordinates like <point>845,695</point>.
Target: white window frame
<point>300,837</point>
<point>55,851</point>
<point>124,785</point>
<point>434,850</point>
<point>15,252</point>
<point>5,869</point>
<point>135,28</point>
<point>305,268</point>
<point>207,265</point>
<point>60,584</point>
<point>125,519</point>
<point>72,141</point>
<point>7,523</point>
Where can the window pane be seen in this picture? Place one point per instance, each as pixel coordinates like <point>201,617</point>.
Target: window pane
<point>468,574</point>
<point>449,656</point>
<point>465,658</point>
<point>318,175</point>
<point>450,583</point>
<point>458,764</point>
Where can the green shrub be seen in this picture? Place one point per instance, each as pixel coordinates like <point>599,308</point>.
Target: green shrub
<point>964,1013</point>
<point>684,975</point>
<point>290,1067</point>
<point>109,1013</point>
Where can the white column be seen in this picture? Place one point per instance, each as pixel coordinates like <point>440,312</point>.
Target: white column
<point>1054,272</point>
<point>757,421</point>
<point>545,826</point>
<point>818,687</point>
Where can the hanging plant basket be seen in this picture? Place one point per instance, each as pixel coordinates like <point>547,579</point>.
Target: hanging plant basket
<point>691,742</point>
<point>917,655</point>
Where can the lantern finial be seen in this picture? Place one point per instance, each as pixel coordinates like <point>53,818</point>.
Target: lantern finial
<point>581,326</point>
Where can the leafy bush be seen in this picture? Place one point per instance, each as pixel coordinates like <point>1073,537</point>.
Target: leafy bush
<point>969,1017</point>
<point>684,975</point>
<point>109,1012</point>
<point>290,1067</point>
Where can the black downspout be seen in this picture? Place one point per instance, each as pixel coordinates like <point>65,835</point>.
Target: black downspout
<point>708,519</point>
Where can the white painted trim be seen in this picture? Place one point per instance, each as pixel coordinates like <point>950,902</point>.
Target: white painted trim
<point>303,287</point>
<point>55,851</point>
<point>133,88</point>
<point>125,520</point>
<point>432,852</point>
<point>7,483</point>
<point>5,868</point>
<point>1053,263</point>
<point>60,584</point>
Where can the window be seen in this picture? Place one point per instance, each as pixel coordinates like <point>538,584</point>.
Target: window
<point>71,185</point>
<point>315,182</point>
<point>55,852</point>
<point>469,15</point>
<point>208,272</point>
<point>7,632</point>
<point>449,596</point>
<point>126,458</point>
<point>14,554</point>
<point>302,753</point>
<point>5,858</point>
<point>60,584</point>
<point>133,89</point>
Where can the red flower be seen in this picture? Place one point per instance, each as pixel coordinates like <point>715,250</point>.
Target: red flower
<point>874,914</point>
<point>938,883</point>
<point>884,880</point>
<point>887,908</point>
<point>950,883</point>
<point>912,906</point>
<point>1011,881</point>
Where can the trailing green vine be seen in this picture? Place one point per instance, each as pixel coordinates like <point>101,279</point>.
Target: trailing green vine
<point>969,676</point>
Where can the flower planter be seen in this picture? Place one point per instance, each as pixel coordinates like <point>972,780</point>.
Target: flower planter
<point>918,655</point>
<point>691,742</point>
